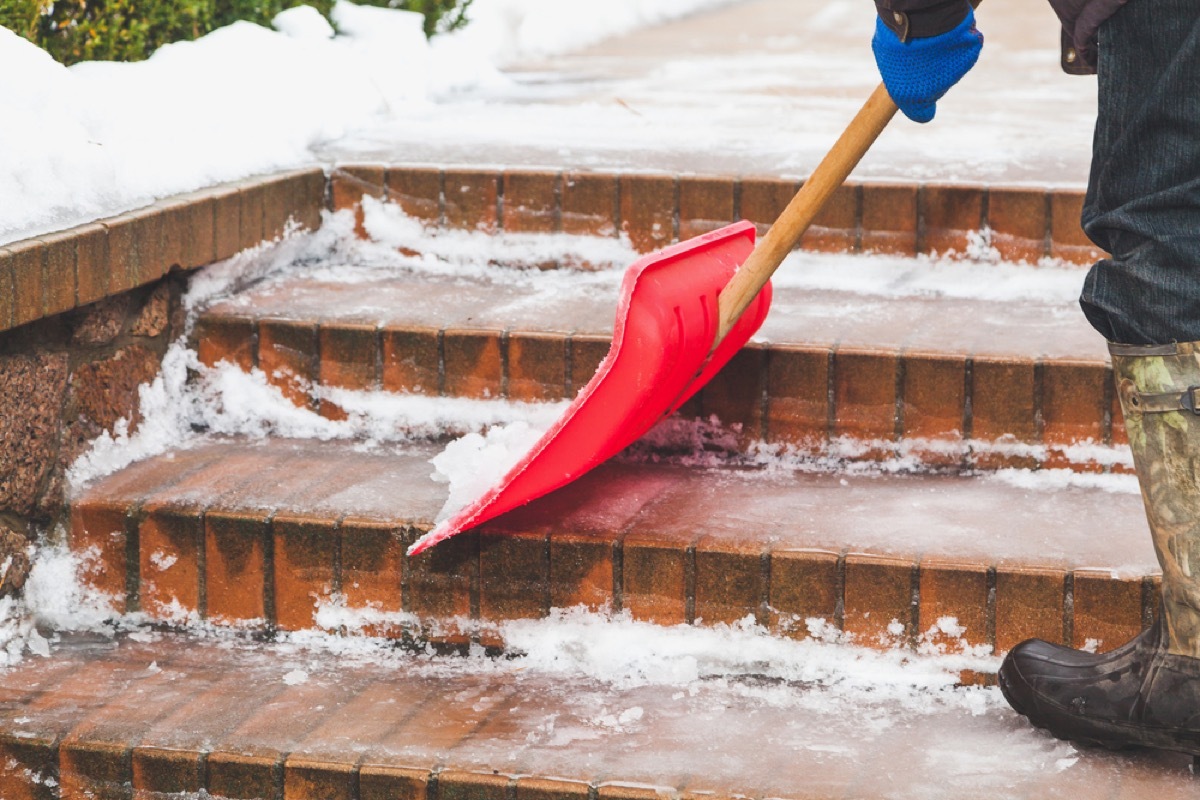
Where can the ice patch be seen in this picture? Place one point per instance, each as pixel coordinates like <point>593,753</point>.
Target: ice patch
<point>295,677</point>
<point>336,616</point>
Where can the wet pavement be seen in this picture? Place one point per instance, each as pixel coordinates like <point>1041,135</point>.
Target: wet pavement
<point>761,87</point>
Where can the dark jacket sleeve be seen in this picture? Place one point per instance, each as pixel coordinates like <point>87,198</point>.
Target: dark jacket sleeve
<point>1081,20</point>
<point>916,19</point>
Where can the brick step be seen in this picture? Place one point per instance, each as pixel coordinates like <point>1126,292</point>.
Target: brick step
<point>957,381</point>
<point>181,717</point>
<point>261,533</point>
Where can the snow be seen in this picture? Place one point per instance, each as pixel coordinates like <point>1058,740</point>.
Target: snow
<point>295,677</point>
<point>476,462</point>
<point>508,30</point>
<point>762,87</point>
<point>99,138</point>
<point>303,22</point>
<point>948,275</point>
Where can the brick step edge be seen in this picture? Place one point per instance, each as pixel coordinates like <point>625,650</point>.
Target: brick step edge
<point>47,769</point>
<point>53,273</point>
<point>1026,224</point>
<point>957,411</point>
<point>267,571</point>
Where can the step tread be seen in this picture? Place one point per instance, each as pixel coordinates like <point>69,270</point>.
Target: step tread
<point>247,719</point>
<point>585,305</point>
<point>980,518</point>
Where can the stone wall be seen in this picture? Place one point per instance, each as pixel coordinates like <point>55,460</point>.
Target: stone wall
<point>66,380</point>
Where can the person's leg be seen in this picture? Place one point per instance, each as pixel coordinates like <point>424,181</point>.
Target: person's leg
<point>1143,201</point>
<point>1143,206</point>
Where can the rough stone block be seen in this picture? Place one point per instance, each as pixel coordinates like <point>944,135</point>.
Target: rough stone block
<point>34,388</point>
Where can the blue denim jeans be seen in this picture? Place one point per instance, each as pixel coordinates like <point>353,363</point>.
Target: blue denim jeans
<point>1143,199</point>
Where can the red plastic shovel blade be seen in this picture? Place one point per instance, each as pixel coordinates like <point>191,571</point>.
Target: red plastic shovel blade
<point>666,324</point>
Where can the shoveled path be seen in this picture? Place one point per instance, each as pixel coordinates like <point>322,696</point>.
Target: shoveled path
<point>762,87</point>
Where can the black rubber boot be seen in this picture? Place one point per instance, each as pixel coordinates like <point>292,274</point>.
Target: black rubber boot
<point>1146,693</point>
<point>1136,696</point>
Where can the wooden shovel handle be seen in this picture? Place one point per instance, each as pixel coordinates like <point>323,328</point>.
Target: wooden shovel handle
<point>831,173</point>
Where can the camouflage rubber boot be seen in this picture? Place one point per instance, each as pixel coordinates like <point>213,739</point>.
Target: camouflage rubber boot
<point>1146,693</point>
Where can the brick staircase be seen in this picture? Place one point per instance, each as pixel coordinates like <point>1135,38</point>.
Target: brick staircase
<point>898,507</point>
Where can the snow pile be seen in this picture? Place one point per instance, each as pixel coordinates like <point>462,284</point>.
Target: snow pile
<point>622,654</point>
<point>403,241</point>
<point>99,138</point>
<point>964,276</point>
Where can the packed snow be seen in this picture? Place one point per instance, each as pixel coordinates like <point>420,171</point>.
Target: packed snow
<point>99,138</point>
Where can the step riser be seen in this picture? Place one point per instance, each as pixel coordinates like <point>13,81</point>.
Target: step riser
<point>264,570</point>
<point>802,396</point>
<point>657,210</point>
<point>88,770</point>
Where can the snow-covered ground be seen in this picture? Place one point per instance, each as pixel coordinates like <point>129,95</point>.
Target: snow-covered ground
<point>98,138</point>
<point>747,86</point>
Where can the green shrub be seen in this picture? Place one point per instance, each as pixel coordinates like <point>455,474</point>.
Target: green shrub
<point>119,30</point>
<point>21,16</point>
<point>130,30</point>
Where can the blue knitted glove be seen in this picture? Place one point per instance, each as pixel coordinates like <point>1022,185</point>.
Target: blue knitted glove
<point>918,72</point>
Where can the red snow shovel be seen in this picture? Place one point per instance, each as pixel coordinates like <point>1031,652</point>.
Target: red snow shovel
<point>680,319</point>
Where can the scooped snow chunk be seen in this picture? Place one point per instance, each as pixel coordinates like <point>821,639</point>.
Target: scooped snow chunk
<point>474,463</point>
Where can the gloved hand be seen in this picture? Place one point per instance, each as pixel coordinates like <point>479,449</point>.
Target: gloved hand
<point>918,72</point>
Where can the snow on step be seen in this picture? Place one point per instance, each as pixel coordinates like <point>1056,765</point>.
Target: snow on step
<point>291,533</point>
<point>587,708</point>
